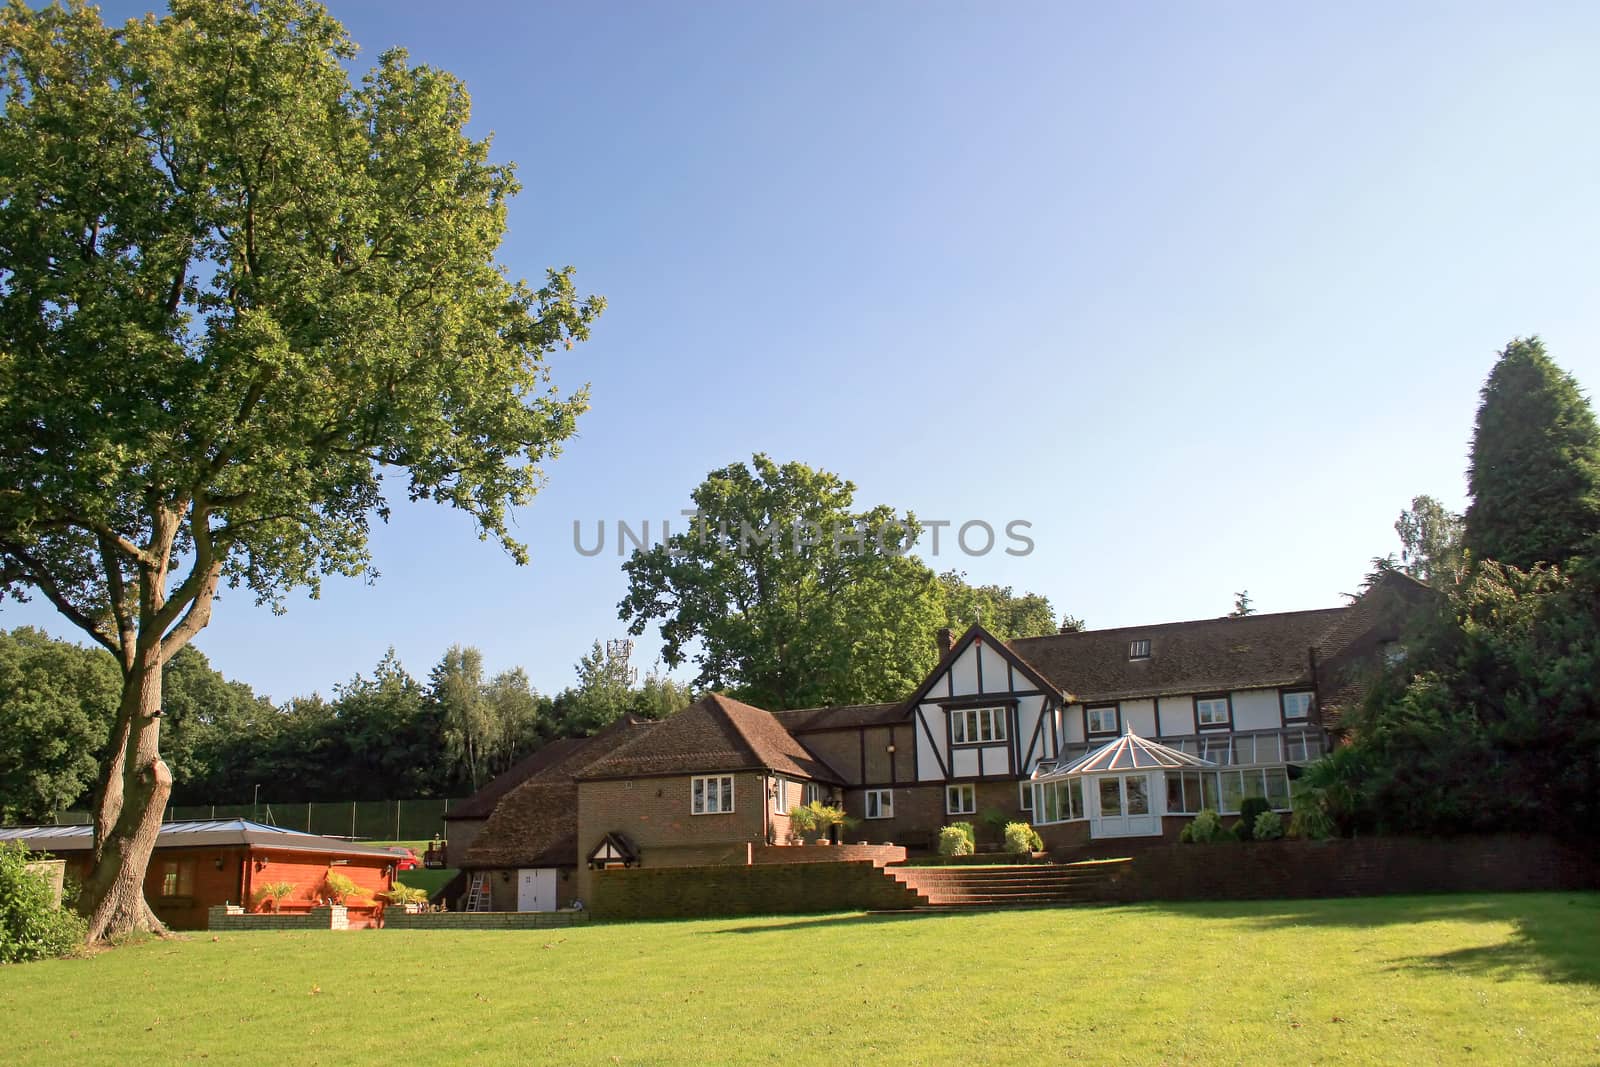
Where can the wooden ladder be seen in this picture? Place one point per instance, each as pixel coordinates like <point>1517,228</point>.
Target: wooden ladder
<point>478,892</point>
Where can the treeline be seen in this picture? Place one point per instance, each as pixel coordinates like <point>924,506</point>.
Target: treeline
<point>382,735</point>
<point>1490,721</point>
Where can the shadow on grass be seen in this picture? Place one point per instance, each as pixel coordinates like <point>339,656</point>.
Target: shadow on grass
<point>1554,935</point>
<point>812,922</point>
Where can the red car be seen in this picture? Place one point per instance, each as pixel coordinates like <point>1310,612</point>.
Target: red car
<point>408,861</point>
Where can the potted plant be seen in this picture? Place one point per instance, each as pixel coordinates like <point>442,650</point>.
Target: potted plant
<point>816,819</point>
<point>341,888</point>
<point>268,896</point>
<point>411,898</point>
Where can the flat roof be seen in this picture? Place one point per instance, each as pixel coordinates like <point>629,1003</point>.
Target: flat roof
<point>200,833</point>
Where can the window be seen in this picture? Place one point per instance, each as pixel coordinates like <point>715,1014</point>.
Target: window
<point>960,799</point>
<point>780,796</point>
<point>1301,746</point>
<point>813,793</point>
<point>1269,782</point>
<point>1296,706</point>
<point>1186,791</point>
<point>1218,750</point>
<point>1139,649</point>
<point>711,795</point>
<point>1026,800</point>
<point>880,803</point>
<point>1102,720</point>
<point>1212,711</point>
<point>974,726</point>
<point>1060,801</point>
<point>1394,653</point>
<point>177,878</point>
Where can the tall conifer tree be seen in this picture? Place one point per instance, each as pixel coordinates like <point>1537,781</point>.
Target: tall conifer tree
<point>1534,474</point>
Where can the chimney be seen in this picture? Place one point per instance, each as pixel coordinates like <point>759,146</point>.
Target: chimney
<point>945,640</point>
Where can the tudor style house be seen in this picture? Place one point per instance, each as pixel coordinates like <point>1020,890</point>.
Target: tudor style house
<point>1104,734</point>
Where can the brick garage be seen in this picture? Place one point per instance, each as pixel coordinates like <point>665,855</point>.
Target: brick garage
<point>1372,866</point>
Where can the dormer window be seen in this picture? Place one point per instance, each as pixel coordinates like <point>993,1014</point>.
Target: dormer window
<point>1139,649</point>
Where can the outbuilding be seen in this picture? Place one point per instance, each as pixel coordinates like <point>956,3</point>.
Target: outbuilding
<point>199,864</point>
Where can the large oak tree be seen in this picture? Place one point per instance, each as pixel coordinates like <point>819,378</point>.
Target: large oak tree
<point>236,291</point>
<point>786,593</point>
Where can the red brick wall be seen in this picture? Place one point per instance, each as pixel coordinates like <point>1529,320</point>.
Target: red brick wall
<point>919,813</point>
<point>878,854</point>
<point>764,889</point>
<point>654,814</point>
<point>1369,866</point>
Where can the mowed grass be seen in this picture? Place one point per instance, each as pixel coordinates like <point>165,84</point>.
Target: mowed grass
<point>1445,979</point>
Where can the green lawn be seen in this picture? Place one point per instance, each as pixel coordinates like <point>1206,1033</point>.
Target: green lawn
<point>1428,980</point>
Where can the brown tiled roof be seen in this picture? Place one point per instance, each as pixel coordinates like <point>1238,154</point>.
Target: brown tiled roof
<point>480,804</point>
<point>806,720</point>
<point>715,733</point>
<point>1206,655</point>
<point>535,824</point>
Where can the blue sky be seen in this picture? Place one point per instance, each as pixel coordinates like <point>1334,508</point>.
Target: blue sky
<point>1203,292</point>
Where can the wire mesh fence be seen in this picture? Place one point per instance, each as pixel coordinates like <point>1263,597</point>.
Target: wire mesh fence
<point>362,820</point>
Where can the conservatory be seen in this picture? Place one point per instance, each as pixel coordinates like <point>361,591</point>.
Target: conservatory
<point>1124,787</point>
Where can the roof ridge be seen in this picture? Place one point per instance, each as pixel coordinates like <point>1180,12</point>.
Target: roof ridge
<point>1247,619</point>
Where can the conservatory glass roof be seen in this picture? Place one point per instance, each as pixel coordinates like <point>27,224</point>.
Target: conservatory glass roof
<point>1130,752</point>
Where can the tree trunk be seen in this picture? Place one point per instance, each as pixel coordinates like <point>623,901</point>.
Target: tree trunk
<point>128,816</point>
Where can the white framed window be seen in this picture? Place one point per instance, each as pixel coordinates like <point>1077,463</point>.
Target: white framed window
<point>813,793</point>
<point>1026,800</point>
<point>880,803</point>
<point>976,726</point>
<point>711,794</point>
<point>1102,720</point>
<point>1297,706</point>
<point>1212,711</point>
<point>1059,801</point>
<point>780,796</point>
<point>1139,648</point>
<point>960,799</point>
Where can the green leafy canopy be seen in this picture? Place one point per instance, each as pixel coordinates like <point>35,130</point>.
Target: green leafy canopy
<point>237,289</point>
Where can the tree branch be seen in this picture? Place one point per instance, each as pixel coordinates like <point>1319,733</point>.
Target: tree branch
<point>38,577</point>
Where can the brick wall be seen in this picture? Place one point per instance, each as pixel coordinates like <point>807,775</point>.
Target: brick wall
<point>395,919</point>
<point>654,814</point>
<point>1361,867</point>
<point>762,889</point>
<point>879,855</point>
<point>308,872</point>
<point>221,917</point>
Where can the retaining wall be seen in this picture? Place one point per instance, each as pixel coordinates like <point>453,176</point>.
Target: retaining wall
<point>1371,866</point>
<point>757,889</point>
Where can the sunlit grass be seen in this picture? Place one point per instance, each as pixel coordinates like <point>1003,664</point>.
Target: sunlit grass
<point>1427,980</point>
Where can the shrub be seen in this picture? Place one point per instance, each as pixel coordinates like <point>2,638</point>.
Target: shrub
<point>1186,835</point>
<point>1022,839</point>
<point>955,841</point>
<point>815,819</point>
<point>276,892</point>
<point>1268,827</point>
<point>996,820</point>
<point>1207,827</point>
<point>1310,821</point>
<point>1250,810</point>
<point>966,828</point>
<point>340,888</point>
<point>404,894</point>
<point>32,925</point>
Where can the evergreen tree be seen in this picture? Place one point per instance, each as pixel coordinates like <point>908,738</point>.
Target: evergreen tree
<point>1534,474</point>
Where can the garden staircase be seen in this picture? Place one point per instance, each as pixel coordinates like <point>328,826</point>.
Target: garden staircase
<point>1034,884</point>
<point>478,892</point>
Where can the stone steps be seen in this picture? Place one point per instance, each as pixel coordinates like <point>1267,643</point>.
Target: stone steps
<point>1036,885</point>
